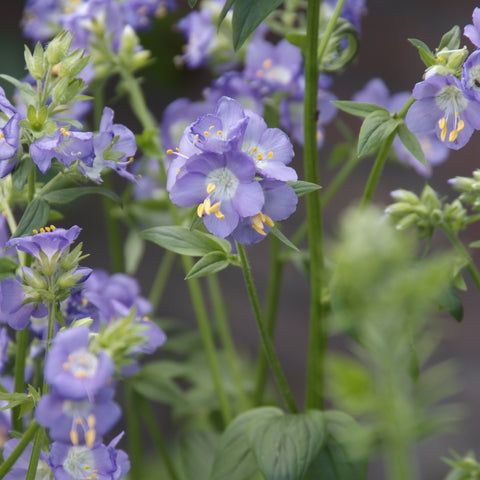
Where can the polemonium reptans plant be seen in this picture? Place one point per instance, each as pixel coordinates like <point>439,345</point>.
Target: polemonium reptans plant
<point>87,361</point>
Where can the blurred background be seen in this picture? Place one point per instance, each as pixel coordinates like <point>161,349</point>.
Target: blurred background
<point>385,53</point>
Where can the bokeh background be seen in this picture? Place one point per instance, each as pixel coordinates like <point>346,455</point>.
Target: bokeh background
<point>385,53</point>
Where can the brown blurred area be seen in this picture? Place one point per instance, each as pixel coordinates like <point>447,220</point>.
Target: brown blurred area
<point>384,52</point>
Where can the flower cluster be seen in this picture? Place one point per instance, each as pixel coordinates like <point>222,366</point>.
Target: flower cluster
<point>234,169</point>
<point>448,100</point>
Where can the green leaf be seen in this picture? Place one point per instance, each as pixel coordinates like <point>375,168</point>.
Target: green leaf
<point>475,244</point>
<point>21,173</point>
<point>451,302</point>
<point>247,16</point>
<point>359,109</point>
<point>285,444</point>
<point>376,127</point>
<point>411,143</point>
<point>27,92</point>
<point>67,195</point>
<point>336,460</point>
<point>212,262</point>
<point>302,188</point>
<point>427,56</point>
<point>275,231</point>
<point>34,217</point>
<point>16,399</point>
<point>233,457</point>
<point>299,39</point>
<point>223,13</point>
<point>7,265</point>
<point>133,252</point>
<point>186,242</point>
<point>451,39</point>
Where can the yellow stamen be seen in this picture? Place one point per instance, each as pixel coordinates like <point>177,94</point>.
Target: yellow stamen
<point>460,126</point>
<point>219,215</point>
<point>211,127</point>
<point>2,135</point>
<point>453,135</point>
<point>442,123</point>
<point>213,209</point>
<point>169,151</point>
<point>91,421</point>
<point>267,63</point>
<point>47,229</point>
<point>206,133</point>
<point>259,156</point>
<point>52,227</point>
<point>87,467</point>
<point>81,374</point>
<point>90,438</point>
<point>78,420</point>
<point>211,187</point>
<point>219,132</point>
<point>65,132</point>
<point>66,366</point>
<point>254,149</point>
<point>35,231</point>
<point>74,437</point>
<point>42,230</point>
<point>270,154</point>
<point>259,221</point>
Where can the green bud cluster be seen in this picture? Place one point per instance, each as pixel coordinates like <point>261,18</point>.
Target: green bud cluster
<point>426,212</point>
<point>469,188</point>
<point>52,279</point>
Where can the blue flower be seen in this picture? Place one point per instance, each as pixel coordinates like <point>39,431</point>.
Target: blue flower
<point>443,109</point>
<point>48,240</point>
<point>471,76</point>
<point>224,188</point>
<point>9,135</point>
<point>66,146</point>
<point>473,31</point>
<point>72,370</point>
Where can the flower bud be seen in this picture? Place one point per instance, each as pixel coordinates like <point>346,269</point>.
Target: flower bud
<point>72,65</point>
<point>59,47</point>
<point>129,42</point>
<point>36,63</point>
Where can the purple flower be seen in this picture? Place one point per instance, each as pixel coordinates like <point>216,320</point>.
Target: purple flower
<point>20,467</point>
<point>12,310</point>
<point>471,76</point>
<point>223,186</point>
<point>443,109</point>
<point>139,12</point>
<point>472,32</point>
<point>49,241</point>
<point>66,146</point>
<point>272,67</point>
<point>114,148</point>
<point>78,422</point>
<point>280,202</point>
<point>72,370</point>
<point>102,462</point>
<point>9,135</point>
<point>270,148</point>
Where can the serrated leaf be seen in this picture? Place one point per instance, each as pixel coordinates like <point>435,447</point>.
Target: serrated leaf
<point>411,143</point>
<point>212,262</point>
<point>223,13</point>
<point>247,16</point>
<point>275,231</point>
<point>302,188</point>
<point>34,217</point>
<point>233,457</point>
<point>375,129</point>
<point>67,195</point>
<point>336,461</point>
<point>359,109</point>
<point>451,302</point>
<point>186,242</point>
<point>451,39</point>
<point>284,445</point>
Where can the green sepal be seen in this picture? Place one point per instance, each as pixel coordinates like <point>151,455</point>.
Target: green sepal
<point>358,109</point>
<point>247,16</point>
<point>66,90</point>
<point>36,62</point>
<point>186,242</point>
<point>426,55</point>
<point>336,460</point>
<point>64,196</point>
<point>411,143</point>
<point>34,217</point>
<point>302,188</point>
<point>210,263</point>
<point>451,40</point>
<point>375,129</point>
<point>451,302</point>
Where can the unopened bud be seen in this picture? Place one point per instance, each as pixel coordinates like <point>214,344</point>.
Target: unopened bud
<point>59,47</point>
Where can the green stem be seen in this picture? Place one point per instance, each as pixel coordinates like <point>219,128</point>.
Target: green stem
<point>18,450</point>
<point>262,327</point>
<point>208,342</point>
<point>220,317</point>
<point>19,381</point>
<point>377,170</point>
<point>134,435</point>
<point>36,449</point>
<point>273,295</point>
<point>159,442</point>
<point>161,277</point>
<point>472,269</point>
<point>317,330</point>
